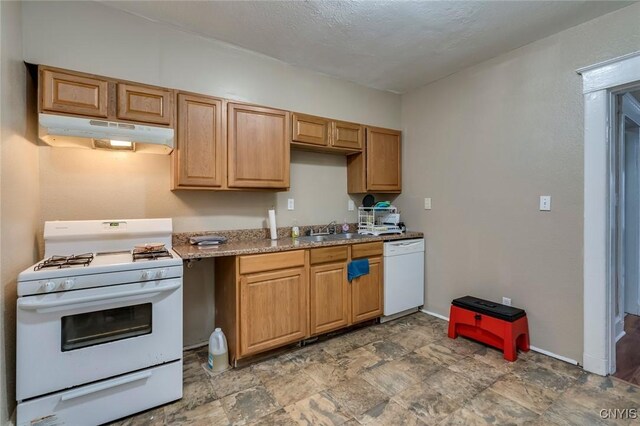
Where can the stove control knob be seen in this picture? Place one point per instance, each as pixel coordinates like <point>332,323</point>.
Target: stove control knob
<point>162,273</point>
<point>49,286</point>
<point>68,284</point>
<point>145,275</point>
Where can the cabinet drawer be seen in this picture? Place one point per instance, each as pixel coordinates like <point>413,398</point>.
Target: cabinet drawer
<point>366,250</point>
<point>328,254</point>
<point>271,261</point>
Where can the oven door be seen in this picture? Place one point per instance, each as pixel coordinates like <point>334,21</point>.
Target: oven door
<point>75,337</point>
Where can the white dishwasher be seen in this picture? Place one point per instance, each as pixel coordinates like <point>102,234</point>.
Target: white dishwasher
<point>403,277</point>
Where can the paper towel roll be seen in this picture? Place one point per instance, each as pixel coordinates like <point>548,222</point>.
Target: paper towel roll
<point>272,224</point>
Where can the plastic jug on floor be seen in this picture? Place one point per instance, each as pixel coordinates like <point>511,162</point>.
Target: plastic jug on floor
<point>218,351</point>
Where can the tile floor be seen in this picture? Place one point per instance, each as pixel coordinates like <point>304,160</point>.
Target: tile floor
<point>402,372</point>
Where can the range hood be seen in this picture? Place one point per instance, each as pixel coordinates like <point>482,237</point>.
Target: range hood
<point>74,132</point>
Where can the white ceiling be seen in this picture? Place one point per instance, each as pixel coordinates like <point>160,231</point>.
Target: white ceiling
<point>389,45</point>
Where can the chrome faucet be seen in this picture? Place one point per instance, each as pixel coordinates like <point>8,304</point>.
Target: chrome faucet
<point>326,230</point>
<point>330,228</point>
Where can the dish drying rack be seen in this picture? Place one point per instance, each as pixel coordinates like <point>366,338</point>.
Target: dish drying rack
<point>378,220</point>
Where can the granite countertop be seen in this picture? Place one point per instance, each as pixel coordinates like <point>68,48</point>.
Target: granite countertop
<point>254,246</point>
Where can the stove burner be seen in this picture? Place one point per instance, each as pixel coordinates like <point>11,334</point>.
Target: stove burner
<point>60,262</point>
<point>141,254</point>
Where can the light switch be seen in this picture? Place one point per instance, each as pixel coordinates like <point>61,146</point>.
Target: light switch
<point>545,203</point>
<point>351,206</point>
<point>290,204</point>
<point>427,203</point>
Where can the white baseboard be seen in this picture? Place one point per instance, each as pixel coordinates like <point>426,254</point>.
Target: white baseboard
<point>433,314</point>
<point>595,365</point>
<point>554,355</point>
<point>533,348</point>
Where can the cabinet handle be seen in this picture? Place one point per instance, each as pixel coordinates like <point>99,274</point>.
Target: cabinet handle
<point>478,317</point>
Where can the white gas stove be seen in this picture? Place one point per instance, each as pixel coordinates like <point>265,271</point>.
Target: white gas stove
<point>99,323</point>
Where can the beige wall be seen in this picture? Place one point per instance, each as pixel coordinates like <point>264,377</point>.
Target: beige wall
<point>82,184</point>
<point>20,203</point>
<point>485,143</point>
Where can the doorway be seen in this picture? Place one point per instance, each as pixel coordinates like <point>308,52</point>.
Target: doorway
<point>600,83</point>
<point>626,200</point>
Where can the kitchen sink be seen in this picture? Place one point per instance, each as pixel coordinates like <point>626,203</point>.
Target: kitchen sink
<point>314,238</point>
<point>348,236</point>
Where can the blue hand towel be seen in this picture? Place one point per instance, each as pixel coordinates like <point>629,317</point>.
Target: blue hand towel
<point>357,268</point>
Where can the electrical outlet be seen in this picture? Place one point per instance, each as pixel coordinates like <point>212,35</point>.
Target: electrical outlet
<point>506,301</point>
<point>545,203</point>
<point>427,203</point>
<point>290,204</point>
<point>351,206</point>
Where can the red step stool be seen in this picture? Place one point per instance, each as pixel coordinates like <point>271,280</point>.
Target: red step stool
<point>501,326</point>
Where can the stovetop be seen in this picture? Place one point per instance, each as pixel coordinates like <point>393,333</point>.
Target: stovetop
<point>101,263</point>
<point>59,262</point>
<point>96,253</point>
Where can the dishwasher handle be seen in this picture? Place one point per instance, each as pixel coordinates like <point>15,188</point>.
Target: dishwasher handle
<point>395,248</point>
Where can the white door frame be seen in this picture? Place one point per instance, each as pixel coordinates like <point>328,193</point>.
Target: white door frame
<point>599,82</point>
<point>630,110</point>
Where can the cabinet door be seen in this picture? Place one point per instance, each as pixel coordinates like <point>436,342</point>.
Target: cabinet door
<point>367,293</point>
<point>145,104</point>
<point>347,135</point>
<point>328,297</point>
<point>273,309</point>
<point>383,160</point>
<point>199,154</point>
<point>310,130</point>
<point>258,147</point>
<point>73,94</point>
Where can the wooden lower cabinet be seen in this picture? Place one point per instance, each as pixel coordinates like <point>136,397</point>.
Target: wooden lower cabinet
<point>265,301</point>
<point>367,293</point>
<point>273,309</point>
<point>329,297</point>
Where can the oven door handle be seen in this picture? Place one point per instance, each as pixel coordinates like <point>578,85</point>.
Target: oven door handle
<point>38,306</point>
<point>88,390</point>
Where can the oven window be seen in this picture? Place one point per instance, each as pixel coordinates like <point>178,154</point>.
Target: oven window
<point>109,325</point>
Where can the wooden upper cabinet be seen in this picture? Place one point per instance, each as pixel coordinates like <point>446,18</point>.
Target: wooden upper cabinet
<point>258,147</point>
<point>347,135</point>
<point>71,93</point>
<point>322,134</point>
<point>273,309</point>
<point>367,293</point>
<point>199,156</point>
<point>378,168</point>
<point>310,130</point>
<point>383,160</point>
<point>144,104</point>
